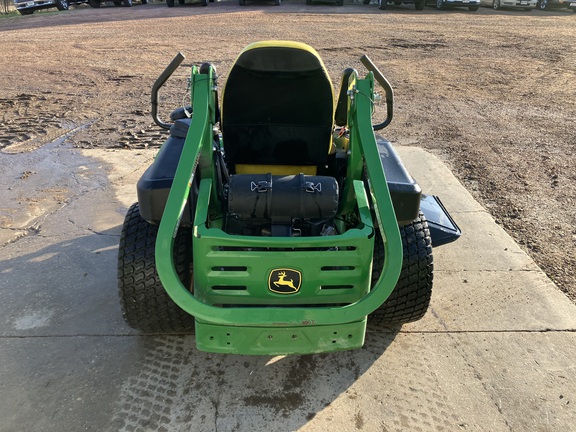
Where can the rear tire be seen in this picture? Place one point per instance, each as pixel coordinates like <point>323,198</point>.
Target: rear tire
<point>94,3</point>
<point>410,299</point>
<point>127,3</point>
<point>382,4</point>
<point>145,303</point>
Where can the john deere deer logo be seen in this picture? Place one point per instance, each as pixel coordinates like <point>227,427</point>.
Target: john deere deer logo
<point>284,281</point>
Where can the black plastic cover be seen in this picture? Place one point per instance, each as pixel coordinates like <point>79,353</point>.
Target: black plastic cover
<point>154,185</point>
<point>404,190</point>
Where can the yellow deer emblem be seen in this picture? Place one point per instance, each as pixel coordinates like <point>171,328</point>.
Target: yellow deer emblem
<point>284,281</point>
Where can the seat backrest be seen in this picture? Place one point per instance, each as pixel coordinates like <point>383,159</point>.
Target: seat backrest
<point>277,108</point>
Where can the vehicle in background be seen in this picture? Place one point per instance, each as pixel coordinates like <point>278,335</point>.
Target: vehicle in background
<point>556,4</point>
<point>309,2</point>
<point>170,3</point>
<point>527,5</point>
<point>27,7</point>
<point>382,4</point>
<point>276,2</point>
<point>472,5</point>
<point>127,3</point>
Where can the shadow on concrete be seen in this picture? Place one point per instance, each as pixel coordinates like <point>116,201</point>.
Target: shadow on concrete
<point>177,386</point>
<point>72,363</point>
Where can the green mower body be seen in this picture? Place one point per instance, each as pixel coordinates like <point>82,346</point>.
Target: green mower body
<point>274,229</point>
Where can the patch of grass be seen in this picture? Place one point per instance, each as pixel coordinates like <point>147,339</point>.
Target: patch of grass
<point>9,14</point>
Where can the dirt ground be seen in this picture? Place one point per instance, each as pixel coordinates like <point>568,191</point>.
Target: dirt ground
<point>491,92</point>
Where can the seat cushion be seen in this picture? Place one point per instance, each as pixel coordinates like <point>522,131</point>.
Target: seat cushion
<point>277,108</point>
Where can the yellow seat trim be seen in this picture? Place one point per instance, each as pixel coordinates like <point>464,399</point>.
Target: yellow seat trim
<point>276,169</point>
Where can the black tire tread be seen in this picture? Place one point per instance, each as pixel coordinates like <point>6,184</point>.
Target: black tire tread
<point>145,304</point>
<point>411,297</point>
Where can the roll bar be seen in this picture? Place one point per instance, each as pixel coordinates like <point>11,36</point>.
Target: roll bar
<point>387,89</point>
<point>158,85</point>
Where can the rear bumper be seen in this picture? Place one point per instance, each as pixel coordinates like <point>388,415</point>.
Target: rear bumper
<point>462,2</point>
<point>35,5</point>
<point>279,341</point>
<point>522,4</point>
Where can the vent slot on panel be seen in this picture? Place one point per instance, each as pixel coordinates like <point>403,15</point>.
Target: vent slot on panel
<point>229,288</point>
<point>334,287</point>
<point>337,268</point>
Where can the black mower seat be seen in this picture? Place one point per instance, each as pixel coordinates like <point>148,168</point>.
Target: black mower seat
<point>277,110</point>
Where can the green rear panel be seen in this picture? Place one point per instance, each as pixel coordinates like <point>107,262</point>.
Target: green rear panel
<point>232,271</point>
<point>241,270</point>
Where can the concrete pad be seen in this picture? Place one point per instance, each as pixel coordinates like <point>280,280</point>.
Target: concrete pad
<point>530,377</point>
<point>64,286</point>
<point>499,301</point>
<point>367,389</point>
<point>61,383</point>
<point>148,383</point>
<point>66,283</point>
<point>495,352</point>
<point>483,246</point>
